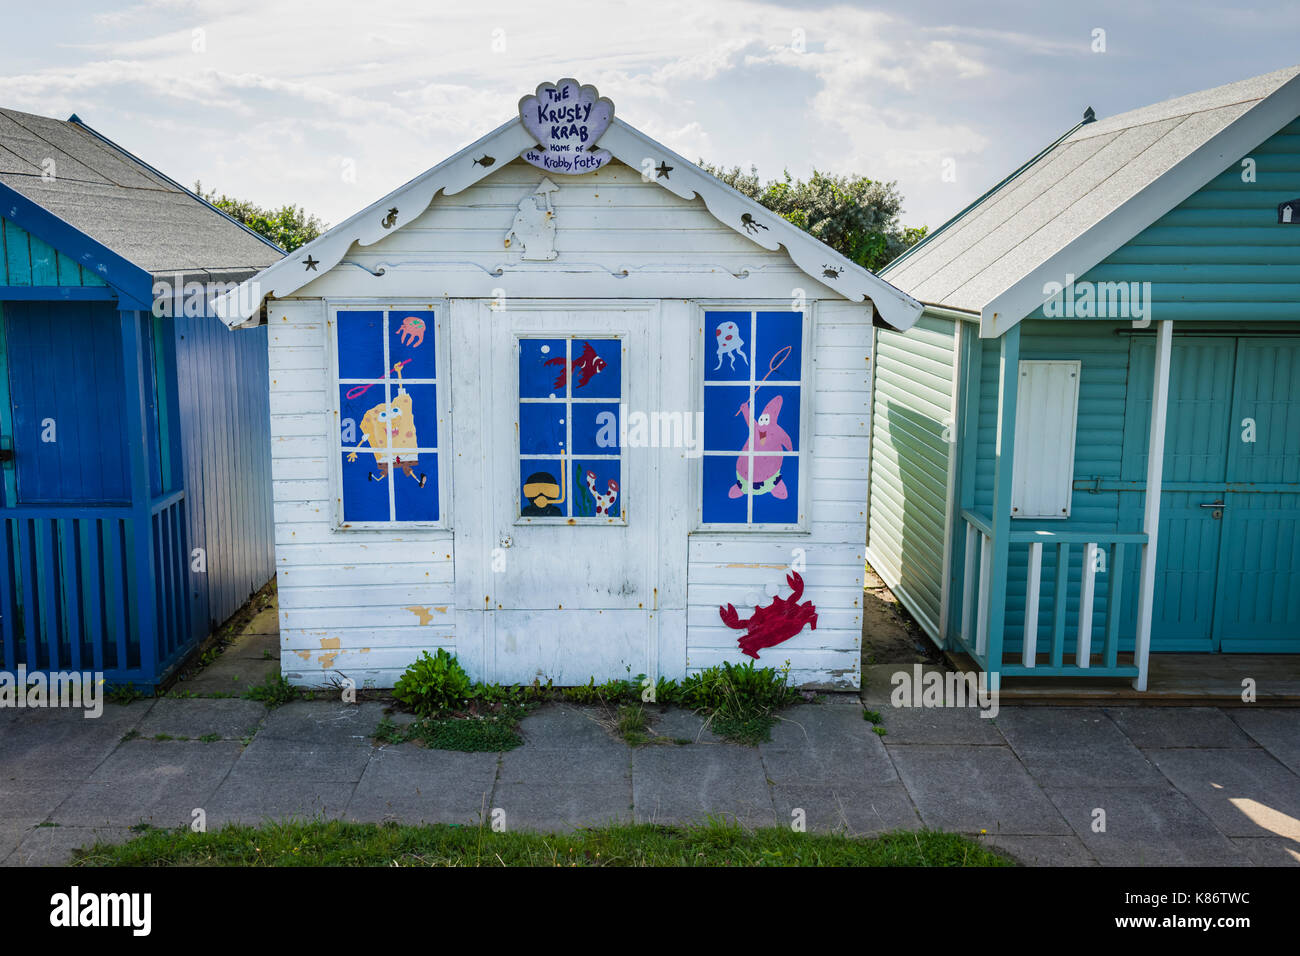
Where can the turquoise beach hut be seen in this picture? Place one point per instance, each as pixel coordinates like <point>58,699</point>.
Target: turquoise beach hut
<point>1133,287</point>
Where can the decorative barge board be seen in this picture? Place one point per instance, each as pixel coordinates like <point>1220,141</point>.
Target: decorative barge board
<point>1132,287</point>
<point>135,512</point>
<point>557,405</point>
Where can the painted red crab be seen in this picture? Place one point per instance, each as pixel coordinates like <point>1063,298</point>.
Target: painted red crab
<point>773,623</point>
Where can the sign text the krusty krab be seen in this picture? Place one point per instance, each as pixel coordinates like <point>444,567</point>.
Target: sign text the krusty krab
<point>567,120</point>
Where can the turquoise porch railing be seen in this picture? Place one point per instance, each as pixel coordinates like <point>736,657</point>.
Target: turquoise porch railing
<point>1043,654</point>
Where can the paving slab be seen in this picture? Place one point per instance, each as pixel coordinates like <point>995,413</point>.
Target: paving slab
<point>25,803</point>
<point>1075,747</point>
<point>53,846</point>
<point>55,745</point>
<point>566,727</point>
<point>974,789</point>
<point>11,834</point>
<point>410,784</point>
<point>1146,826</point>
<point>939,725</point>
<point>1041,850</point>
<point>557,790</point>
<point>1270,851</point>
<point>678,785</point>
<point>250,799</point>
<point>146,781</point>
<point>1167,727</point>
<point>830,746</point>
<point>853,810</point>
<point>1247,793</point>
<point>678,723</point>
<point>232,719</point>
<point>306,722</point>
<point>273,761</point>
<point>1275,729</point>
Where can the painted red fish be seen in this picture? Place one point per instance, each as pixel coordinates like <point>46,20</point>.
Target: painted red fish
<point>584,367</point>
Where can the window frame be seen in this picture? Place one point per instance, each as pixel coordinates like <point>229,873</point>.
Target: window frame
<point>700,356</point>
<point>623,336</point>
<point>439,308</point>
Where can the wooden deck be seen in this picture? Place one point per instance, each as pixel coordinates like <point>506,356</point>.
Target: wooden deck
<point>1175,679</point>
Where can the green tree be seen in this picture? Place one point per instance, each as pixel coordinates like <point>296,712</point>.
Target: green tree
<point>288,227</point>
<point>854,215</point>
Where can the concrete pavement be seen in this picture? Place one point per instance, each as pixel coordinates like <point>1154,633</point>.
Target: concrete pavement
<point>1050,786</point>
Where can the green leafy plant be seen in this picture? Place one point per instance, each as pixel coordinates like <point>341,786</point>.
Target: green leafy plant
<point>125,693</point>
<point>433,684</point>
<point>274,692</point>
<point>740,699</point>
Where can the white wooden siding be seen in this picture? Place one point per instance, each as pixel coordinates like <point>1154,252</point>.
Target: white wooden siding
<point>727,568</point>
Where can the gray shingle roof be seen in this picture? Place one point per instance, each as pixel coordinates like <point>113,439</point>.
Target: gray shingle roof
<point>1067,191</point>
<point>108,194</point>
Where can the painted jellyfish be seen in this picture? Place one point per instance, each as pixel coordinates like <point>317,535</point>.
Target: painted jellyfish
<point>730,344</point>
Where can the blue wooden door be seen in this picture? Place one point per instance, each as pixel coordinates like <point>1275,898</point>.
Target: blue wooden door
<point>1228,560</point>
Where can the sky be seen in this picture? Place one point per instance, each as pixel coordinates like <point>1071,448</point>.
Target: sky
<point>331,104</point>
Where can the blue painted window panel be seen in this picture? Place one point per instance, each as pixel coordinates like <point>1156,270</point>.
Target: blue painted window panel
<point>595,428</point>
<point>597,488</point>
<point>567,430</point>
<point>388,416</point>
<point>757,363</point>
<point>65,370</point>
<point>537,377</point>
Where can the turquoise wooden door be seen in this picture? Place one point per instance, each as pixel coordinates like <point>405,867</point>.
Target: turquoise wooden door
<point>1228,564</point>
<point>1259,569</point>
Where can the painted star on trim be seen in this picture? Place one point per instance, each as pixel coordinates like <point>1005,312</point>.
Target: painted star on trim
<point>663,169</point>
<point>310,263</point>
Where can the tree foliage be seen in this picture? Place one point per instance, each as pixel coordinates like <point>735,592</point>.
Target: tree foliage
<point>289,227</point>
<point>854,215</point>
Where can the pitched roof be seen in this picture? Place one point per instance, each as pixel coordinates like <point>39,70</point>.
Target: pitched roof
<point>629,146</point>
<point>1088,194</point>
<point>122,203</point>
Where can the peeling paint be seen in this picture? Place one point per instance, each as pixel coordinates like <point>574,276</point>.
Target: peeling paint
<point>333,645</point>
<point>423,613</point>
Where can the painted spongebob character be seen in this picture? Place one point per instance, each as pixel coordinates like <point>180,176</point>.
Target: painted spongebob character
<point>389,426</point>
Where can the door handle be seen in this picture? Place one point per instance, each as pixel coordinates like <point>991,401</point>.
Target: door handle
<point>1218,509</point>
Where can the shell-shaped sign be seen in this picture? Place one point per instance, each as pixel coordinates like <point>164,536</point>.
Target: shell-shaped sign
<point>567,119</point>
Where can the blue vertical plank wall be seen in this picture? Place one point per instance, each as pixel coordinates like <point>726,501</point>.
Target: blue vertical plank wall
<point>223,398</point>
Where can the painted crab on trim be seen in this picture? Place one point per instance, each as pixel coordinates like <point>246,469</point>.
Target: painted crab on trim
<point>773,623</point>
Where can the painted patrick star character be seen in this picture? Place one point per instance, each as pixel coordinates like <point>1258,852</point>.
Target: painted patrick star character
<point>605,502</point>
<point>730,343</point>
<point>767,436</point>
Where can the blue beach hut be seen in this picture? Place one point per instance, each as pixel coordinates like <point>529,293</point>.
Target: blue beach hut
<point>134,446</point>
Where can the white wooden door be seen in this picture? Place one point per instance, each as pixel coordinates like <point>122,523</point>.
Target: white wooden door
<point>556,540</point>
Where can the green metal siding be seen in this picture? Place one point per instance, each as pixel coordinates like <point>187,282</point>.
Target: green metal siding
<point>1221,255</point>
<point>26,260</point>
<point>912,415</point>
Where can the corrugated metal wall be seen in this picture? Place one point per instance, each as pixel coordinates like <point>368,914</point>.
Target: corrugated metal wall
<point>225,421</point>
<point>911,427</point>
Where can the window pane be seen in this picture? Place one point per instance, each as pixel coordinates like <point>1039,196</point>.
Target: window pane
<point>732,355</point>
<point>724,502</point>
<point>597,488</point>
<point>541,428</point>
<point>361,345</point>
<point>776,498</point>
<point>542,368</point>
<point>596,366</point>
<point>415,492</point>
<point>778,346</point>
<point>365,489</point>
<point>410,341</point>
<point>595,428</point>
<point>414,416</point>
<point>539,480</point>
